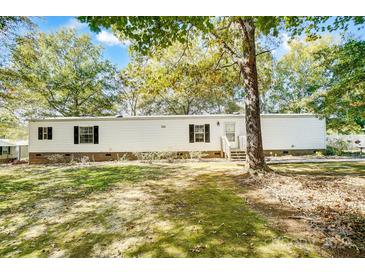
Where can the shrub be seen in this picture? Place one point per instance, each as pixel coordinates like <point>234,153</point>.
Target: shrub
<point>123,158</point>
<point>84,160</point>
<point>150,157</point>
<point>336,147</point>
<point>319,154</point>
<point>76,159</point>
<point>55,158</point>
<point>196,155</point>
<point>169,156</point>
<point>147,157</point>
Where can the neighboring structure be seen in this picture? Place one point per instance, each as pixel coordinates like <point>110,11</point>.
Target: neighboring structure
<point>10,151</point>
<point>22,150</point>
<point>110,138</point>
<point>350,142</point>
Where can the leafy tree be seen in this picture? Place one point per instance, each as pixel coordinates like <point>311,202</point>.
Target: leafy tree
<point>132,86</point>
<point>180,80</point>
<point>191,81</point>
<point>64,71</point>
<point>322,77</point>
<point>298,77</point>
<point>10,24</point>
<point>236,36</point>
<point>343,102</point>
<point>10,28</point>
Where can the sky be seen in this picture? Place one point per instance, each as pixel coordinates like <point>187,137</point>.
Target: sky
<point>117,52</point>
<point>114,50</point>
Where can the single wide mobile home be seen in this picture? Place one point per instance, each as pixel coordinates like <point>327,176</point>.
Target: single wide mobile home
<point>109,138</point>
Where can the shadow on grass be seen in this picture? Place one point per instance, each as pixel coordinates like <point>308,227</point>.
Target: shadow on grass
<point>102,177</point>
<point>337,169</point>
<point>200,214</point>
<point>209,219</point>
<point>73,183</point>
<point>24,192</point>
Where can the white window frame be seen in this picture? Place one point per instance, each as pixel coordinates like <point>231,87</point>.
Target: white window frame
<point>45,133</point>
<point>199,133</point>
<point>92,134</point>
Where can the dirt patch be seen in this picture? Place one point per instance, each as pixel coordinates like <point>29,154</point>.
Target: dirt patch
<point>328,211</point>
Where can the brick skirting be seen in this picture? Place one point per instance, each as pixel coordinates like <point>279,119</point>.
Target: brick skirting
<point>64,157</point>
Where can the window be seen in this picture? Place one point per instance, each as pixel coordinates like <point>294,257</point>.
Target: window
<point>4,150</point>
<point>86,135</point>
<point>230,132</point>
<point>45,133</point>
<point>199,133</point>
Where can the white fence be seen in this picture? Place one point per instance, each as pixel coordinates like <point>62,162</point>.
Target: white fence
<point>353,141</point>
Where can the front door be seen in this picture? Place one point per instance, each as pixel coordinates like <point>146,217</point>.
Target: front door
<point>230,132</point>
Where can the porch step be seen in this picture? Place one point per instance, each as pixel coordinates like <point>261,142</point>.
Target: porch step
<point>238,155</point>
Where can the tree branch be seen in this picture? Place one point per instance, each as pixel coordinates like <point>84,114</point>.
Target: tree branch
<point>185,48</point>
<point>225,45</point>
<point>265,51</point>
<point>228,65</point>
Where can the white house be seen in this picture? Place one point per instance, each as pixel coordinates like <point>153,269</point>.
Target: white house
<point>108,138</point>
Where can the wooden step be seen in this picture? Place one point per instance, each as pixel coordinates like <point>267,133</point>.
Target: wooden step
<point>238,160</point>
<point>238,155</point>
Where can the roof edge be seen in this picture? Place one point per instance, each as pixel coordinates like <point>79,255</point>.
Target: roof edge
<point>167,117</point>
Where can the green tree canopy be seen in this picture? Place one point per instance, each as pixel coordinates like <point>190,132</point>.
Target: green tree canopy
<point>343,102</point>
<point>186,80</point>
<point>297,76</point>
<point>322,77</point>
<point>65,73</point>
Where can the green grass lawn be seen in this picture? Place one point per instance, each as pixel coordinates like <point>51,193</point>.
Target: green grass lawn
<point>137,210</point>
<point>323,169</point>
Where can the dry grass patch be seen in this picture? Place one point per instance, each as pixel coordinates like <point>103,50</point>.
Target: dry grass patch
<point>323,202</point>
<point>135,210</point>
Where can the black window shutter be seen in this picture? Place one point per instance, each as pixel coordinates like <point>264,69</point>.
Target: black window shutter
<point>191,133</point>
<point>207,133</point>
<point>96,134</point>
<point>49,133</point>
<point>40,133</point>
<point>76,134</point>
<point>1,150</point>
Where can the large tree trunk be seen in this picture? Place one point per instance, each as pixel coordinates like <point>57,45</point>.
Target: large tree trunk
<point>255,153</point>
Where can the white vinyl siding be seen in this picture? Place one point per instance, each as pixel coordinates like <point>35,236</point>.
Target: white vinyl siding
<point>142,135</point>
<point>293,133</point>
